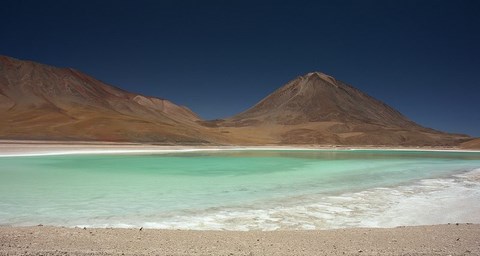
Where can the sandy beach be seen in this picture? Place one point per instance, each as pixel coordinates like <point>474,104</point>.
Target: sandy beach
<point>452,239</point>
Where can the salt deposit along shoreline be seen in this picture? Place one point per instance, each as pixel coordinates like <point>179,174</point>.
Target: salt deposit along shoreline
<point>9,148</point>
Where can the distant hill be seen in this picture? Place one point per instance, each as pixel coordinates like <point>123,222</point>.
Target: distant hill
<point>471,144</point>
<point>40,102</point>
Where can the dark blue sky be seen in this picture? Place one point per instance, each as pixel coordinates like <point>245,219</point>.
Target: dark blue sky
<point>221,57</point>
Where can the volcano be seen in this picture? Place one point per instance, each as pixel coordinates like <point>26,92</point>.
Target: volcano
<point>318,109</point>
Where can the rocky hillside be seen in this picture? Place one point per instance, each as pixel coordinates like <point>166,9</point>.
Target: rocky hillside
<point>43,102</point>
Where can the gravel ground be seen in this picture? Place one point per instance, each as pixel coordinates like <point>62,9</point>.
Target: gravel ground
<point>452,239</point>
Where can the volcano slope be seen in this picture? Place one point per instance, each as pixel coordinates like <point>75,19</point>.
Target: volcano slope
<point>318,109</point>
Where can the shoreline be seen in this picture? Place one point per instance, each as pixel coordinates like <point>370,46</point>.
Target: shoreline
<point>448,239</point>
<point>11,148</point>
<point>438,239</point>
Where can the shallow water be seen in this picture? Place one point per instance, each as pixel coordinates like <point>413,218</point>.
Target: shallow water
<point>242,190</point>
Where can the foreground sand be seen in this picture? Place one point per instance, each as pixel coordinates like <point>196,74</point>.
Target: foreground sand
<point>461,239</point>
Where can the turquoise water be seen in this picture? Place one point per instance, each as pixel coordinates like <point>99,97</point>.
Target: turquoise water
<point>241,190</point>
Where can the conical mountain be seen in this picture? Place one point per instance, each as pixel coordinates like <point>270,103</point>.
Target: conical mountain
<point>318,97</point>
<point>43,102</point>
<point>318,109</point>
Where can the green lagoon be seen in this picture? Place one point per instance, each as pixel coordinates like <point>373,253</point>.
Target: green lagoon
<point>242,189</point>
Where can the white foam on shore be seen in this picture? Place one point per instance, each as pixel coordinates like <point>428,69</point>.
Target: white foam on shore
<point>426,202</point>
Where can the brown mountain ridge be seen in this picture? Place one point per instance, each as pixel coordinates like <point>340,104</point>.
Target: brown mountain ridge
<point>41,102</point>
